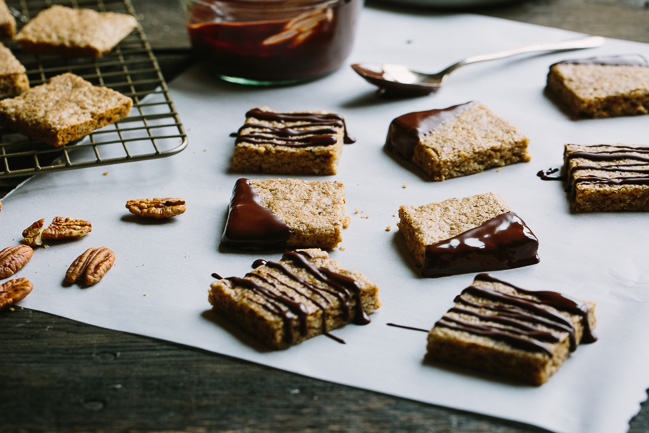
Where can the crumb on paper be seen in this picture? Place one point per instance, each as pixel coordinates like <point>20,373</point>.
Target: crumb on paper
<point>342,248</point>
<point>356,211</point>
<point>105,173</point>
<point>499,169</point>
<point>388,228</point>
<point>394,214</point>
<point>405,185</point>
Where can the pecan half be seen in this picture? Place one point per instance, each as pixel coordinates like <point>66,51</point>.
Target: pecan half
<point>156,207</point>
<point>13,291</point>
<point>13,258</point>
<point>32,234</point>
<point>91,266</point>
<point>66,228</point>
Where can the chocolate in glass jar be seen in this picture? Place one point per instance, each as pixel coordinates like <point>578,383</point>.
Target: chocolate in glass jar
<point>265,42</point>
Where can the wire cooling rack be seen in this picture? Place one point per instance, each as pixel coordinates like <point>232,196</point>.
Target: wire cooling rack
<point>152,129</point>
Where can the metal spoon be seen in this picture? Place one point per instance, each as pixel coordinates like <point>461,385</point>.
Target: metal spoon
<point>398,80</point>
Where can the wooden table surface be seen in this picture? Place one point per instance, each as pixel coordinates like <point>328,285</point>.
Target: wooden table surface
<point>57,375</point>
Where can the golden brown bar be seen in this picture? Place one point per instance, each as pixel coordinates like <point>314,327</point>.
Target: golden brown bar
<point>65,31</point>
<point>602,86</point>
<point>306,142</point>
<point>456,141</point>
<point>63,110</point>
<point>504,330</point>
<point>280,213</point>
<point>304,295</point>
<point>607,178</point>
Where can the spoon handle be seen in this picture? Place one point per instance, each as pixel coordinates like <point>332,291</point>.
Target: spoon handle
<point>573,44</point>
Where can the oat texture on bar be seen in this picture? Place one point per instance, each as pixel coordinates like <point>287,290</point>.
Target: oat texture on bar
<point>607,178</point>
<point>13,77</point>
<point>303,295</point>
<point>279,213</point>
<point>456,141</point>
<point>7,22</point>
<point>602,86</point>
<point>60,30</point>
<point>63,110</point>
<point>304,142</point>
<point>470,234</point>
<point>517,334</point>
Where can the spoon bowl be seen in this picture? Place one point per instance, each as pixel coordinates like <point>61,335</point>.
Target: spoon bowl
<point>399,80</point>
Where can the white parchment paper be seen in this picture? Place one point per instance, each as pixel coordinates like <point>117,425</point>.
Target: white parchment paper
<point>158,286</point>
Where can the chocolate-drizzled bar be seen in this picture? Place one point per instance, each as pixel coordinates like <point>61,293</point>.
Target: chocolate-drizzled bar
<point>472,234</point>
<point>306,142</point>
<point>303,295</point>
<point>604,86</point>
<point>607,178</point>
<point>456,141</point>
<point>498,328</point>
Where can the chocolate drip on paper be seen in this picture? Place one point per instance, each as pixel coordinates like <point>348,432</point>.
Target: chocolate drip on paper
<point>278,301</point>
<point>551,174</point>
<point>407,130</point>
<point>623,60</point>
<point>412,328</point>
<point>639,157</point>
<point>295,135</point>
<point>502,242</point>
<point>251,226</point>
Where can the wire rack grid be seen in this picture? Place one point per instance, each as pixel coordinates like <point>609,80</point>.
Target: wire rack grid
<point>152,130</point>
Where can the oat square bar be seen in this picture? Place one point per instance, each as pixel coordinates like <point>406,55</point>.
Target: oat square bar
<point>504,330</point>
<point>64,109</point>
<point>607,178</point>
<point>280,213</point>
<point>60,30</point>
<point>7,23</point>
<point>304,295</point>
<point>307,142</point>
<point>13,77</point>
<point>602,86</point>
<point>456,141</point>
<point>471,234</point>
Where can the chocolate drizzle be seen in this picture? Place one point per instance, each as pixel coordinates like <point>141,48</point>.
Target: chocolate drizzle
<point>251,226</point>
<point>282,299</point>
<point>299,135</point>
<point>407,130</point>
<point>515,319</point>
<point>502,242</point>
<point>630,163</point>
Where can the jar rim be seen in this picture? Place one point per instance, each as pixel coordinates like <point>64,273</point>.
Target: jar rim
<point>267,3</point>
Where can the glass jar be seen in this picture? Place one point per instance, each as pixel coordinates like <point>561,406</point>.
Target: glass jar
<point>267,42</point>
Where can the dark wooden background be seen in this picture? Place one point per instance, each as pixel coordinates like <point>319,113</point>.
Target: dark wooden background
<point>57,375</point>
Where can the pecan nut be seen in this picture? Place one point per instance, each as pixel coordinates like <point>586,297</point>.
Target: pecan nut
<point>156,207</point>
<point>32,234</point>
<point>91,266</point>
<point>13,291</point>
<point>13,258</point>
<point>66,228</point>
